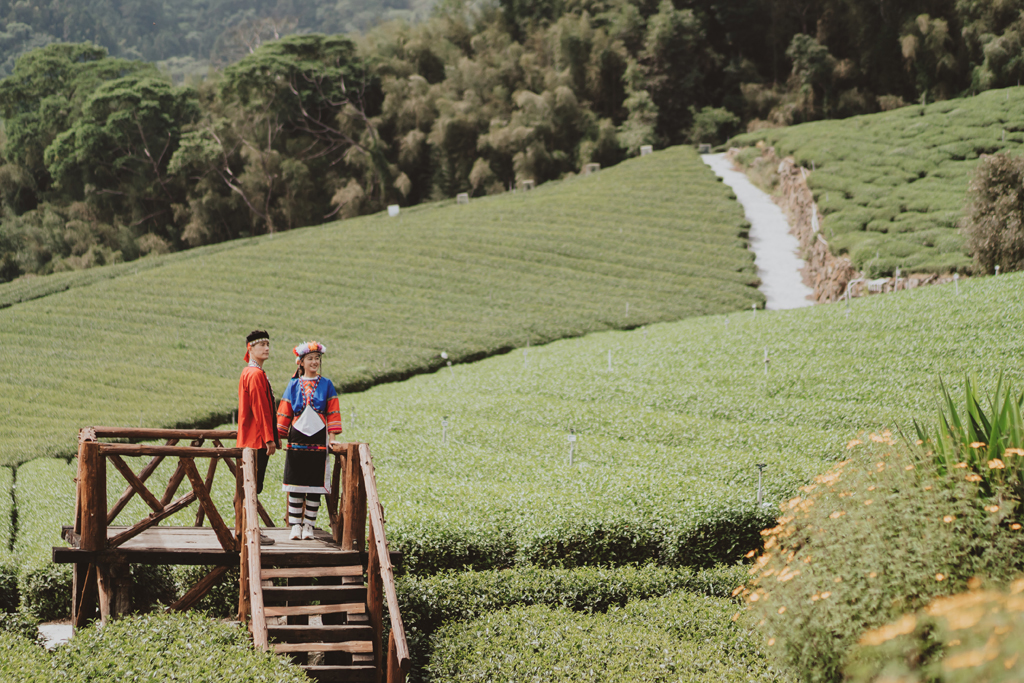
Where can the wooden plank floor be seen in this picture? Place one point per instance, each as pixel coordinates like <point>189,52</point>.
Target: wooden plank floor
<point>199,545</point>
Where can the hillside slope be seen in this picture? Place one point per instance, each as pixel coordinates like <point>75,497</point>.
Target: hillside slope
<point>892,186</point>
<point>653,239</point>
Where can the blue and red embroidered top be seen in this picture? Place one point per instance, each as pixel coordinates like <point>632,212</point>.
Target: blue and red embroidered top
<point>318,393</point>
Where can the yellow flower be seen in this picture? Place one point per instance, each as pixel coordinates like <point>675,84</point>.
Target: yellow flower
<point>826,595</point>
<point>868,502</point>
<point>940,577</point>
<point>750,554</point>
<point>854,442</point>
<point>948,518</point>
<point>872,575</point>
<point>837,514</point>
<point>991,508</point>
<point>909,467</point>
<point>960,466</point>
<point>782,610</point>
<point>977,444</point>
<point>996,464</point>
<point>973,477</point>
<point>1015,527</point>
<point>900,627</point>
<point>771,641</point>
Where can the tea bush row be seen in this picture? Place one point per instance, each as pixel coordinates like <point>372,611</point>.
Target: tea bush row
<point>653,239</point>
<point>680,637</point>
<point>892,186</point>
<point>877,536</point>
<point>186,647</point>
<point>668,440</point>
<point>429,602</point>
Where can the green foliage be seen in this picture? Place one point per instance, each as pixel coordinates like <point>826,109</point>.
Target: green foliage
<point>994,220</point>
<point>428,602</point>
<point>875,537</point>
<point>712,125</point>
<point>19,623</point>
<point>990,446</point>
<point>22,660</point>
<point>45,590</point>
<point>187,646</point>
<point>684,638</point>
<point>891,186</point>
<point>973,636</point>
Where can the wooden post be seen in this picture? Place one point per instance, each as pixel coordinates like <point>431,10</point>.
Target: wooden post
<point>375,601</point>
<point>395,673</point>
<point>239,502</point>
<point>92,477</point>
<point>334,500</point>
<point>353,535</point>
<point>252,547</point>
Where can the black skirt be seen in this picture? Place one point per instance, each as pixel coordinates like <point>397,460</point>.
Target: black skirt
<point>306,466</point>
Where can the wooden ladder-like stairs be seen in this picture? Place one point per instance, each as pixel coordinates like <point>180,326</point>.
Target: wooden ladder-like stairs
<point>317,615</point>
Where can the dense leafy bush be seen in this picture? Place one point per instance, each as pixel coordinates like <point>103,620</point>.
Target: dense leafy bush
<point>46,590</point>
<point>963,638</point>
<point>429,602</point>
<point>19,623</point>
<point>222,600</point>
<point>994,221</point>
<point>875,537</point>
<point>680,637</point>
<point>158,647</point>
<point>22,660</point>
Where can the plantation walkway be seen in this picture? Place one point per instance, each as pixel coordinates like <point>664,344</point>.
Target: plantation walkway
<point>774,247</point>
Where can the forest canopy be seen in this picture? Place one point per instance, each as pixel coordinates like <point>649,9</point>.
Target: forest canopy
<point>104,158</point>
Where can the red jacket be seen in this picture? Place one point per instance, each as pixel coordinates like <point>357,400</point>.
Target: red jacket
<point>256,423</point>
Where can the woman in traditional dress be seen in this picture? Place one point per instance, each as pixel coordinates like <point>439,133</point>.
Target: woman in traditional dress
<point>308,415</point>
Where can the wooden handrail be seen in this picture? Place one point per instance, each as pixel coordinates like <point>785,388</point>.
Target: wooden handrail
<point>398,646</point>
<point>154,434</point>
<point>251,563</point>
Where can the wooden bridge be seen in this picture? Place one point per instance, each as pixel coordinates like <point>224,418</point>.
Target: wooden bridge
<point>320,602</point>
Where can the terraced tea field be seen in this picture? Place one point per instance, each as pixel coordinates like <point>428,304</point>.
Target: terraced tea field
<point>892,186</point>
<point>159,343</point>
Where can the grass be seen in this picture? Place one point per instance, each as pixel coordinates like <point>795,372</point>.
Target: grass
<point>892,186</point>
<point>160,343</point>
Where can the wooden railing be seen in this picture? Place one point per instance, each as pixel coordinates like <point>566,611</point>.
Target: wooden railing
<point>380,574</point>
<point>100,560</point>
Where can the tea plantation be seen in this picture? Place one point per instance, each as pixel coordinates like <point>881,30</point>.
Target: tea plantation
<point>159,342</point>
<point>892,186</point>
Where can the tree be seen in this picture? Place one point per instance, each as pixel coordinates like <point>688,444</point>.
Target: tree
<point>994,219</point>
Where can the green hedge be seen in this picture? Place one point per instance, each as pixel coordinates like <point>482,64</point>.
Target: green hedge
<point>428,602</point>
<point>158,647</point>
<point>680,637</point>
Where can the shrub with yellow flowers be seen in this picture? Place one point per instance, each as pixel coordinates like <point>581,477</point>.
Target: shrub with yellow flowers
<point>970,637</point>
<point>878,535</point>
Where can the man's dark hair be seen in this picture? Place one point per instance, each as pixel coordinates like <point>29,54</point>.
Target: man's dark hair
<point>256,334</point>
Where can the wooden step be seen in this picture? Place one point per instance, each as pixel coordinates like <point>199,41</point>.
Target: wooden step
<point>305,594</point>
<point>300,610</point>
<point>270,556</point>
<point>341,674</point>
<point>299,633</point>
<point>349,646</point>
<point>310,572</point>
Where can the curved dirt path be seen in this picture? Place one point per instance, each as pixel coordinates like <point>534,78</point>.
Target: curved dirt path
<point>775,249</point>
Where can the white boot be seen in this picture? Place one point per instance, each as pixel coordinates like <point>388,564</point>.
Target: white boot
<point>307,532</point>
<point>296,533</point>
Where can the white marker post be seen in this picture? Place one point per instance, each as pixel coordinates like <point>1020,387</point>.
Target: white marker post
<point>572,444</point>
<point>627,309</point>
<point>444,355</point>
<point>760,474</point>
<point>997,270</point>
<point>353,417</point>
<point>956,283</point>
<point>766,361</point>
<point>444,430</point>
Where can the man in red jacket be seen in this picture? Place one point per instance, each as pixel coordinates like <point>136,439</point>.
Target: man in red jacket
<point>257,424</point>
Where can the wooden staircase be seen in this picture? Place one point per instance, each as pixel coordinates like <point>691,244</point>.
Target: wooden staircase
<point>314,605</point>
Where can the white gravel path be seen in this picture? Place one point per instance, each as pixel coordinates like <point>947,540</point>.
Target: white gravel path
<point>775,249</point>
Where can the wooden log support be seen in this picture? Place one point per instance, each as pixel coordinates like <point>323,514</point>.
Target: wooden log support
<point>353,535</point>
<point>239,501</point>
<point>92,475</point>
<point>334,499</point>
<point>83,594</point>
<point>153,519</point>
<point>173,483</point>
<point>221,529</point>
<point>252,566</point>
<point>198,591</point>
<point>136,483</point>
<point>129,492</point>
<point>210,471</point>
<point>397,669</point>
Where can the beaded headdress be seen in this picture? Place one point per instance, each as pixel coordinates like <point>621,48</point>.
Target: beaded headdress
<point>308,347</point>
<point>254,336</point>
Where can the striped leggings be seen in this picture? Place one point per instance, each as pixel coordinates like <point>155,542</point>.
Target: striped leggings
<point>295,501</point>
